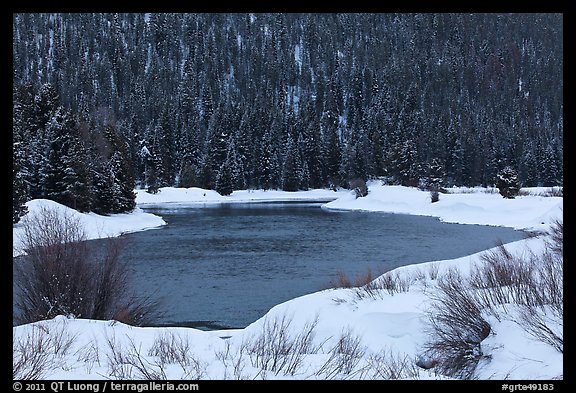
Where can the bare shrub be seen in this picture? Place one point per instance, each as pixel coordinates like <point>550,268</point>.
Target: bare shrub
<point>501,279</point>
<point>388,365</point>
<point>62,274</point>
<point>556,237</point>
<point>127,362</point>
<point>359,186</point>
<point>119,364</point>
<point>433,271</point>
<point>542,306</point>
<point>365,285</point>
<point>278,349</point>
<point>344,281</point>
<point>526,287</point>
<point>344,357</point>
<point>172,348</point>
<point>532,282</point>
<point>233,360</point>
<point>543,324</point>
<point>341,281</point>
<point>31,356</point>
<point>89,355</point>
<point>457,327</point>
<point>394,282</point>
<point>39,350</point>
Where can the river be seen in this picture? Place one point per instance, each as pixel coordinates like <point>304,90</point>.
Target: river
<point>225,265</point>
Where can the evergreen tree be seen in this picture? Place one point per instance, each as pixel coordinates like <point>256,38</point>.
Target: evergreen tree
<point>19,190</point>
<point>478,91</point>
<point>291,169</point>
<point>152,180</point>
<point>331,155</point>
<point>404,163</point>
<point>65,178</point>
<point>224,180</point>
<point>507,183</point>
<point>551,169</point>
<point>436,179</point>
<point>207,176</point>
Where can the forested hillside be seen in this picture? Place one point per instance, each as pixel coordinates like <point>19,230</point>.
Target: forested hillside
<point>104,103</point>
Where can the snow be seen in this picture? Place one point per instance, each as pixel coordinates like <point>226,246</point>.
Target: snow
<point>395,324</point>
<point>533,211</point>
<point>194,195</point>
<point>95,226</point>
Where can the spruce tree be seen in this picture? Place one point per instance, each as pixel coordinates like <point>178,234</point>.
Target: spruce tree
<point>224,181</point>
<point>290,169</point>
<point>19,190</point>
<point>507,182</point>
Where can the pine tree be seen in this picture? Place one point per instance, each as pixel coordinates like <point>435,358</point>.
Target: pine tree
<point>331,154</point>
<point>436,179</point>
<point>207,176</point>
<point>65,175</point>
<point>152,180</point>
<point>404,163</point>
<point>19,190</point>
<point>224,180</point>
<point>104,190</point>
<point>291,169</point>
<point>551,170</point>
<point>507,182</point>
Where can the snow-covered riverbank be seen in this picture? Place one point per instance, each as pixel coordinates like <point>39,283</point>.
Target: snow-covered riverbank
<point>383,330</point>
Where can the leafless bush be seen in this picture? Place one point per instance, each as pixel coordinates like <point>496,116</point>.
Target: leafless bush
<point>457,327</point>
<point>344,281</point>
<point>172,348</point>
<point>61,339</point>
<point>394,282</point>
<point>119,364</point>
<point>501,279</point>
<point>233,360</point>
<point>542,306</point>
<point>89,355</point>
<point>39,350</point>
<point>366,286</point>
<point>433,271</point>
<point>278,349</point>
<point>531,281</point>
<point>343,358</point>
<point>31,355</point>
<point>126,362</point>
<point>556,237</point>
<point>526,286</point>
<point>548,192</point>
<point>544,324</point>
<point>62,274</point>
<point>388,365</point>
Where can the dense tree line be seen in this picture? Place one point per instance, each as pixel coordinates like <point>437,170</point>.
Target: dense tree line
<point>292,101</point>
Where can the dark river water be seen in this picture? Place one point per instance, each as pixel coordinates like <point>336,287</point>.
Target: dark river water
<point>225,266</point>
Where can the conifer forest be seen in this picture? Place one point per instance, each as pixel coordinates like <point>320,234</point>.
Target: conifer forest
<point>106,103</point>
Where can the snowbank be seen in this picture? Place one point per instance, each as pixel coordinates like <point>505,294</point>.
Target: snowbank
<point>533,211</point>
<point>95,226</point>
<point>195,195</point>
